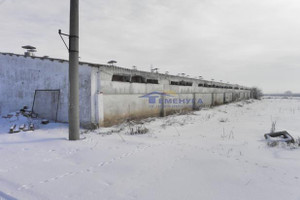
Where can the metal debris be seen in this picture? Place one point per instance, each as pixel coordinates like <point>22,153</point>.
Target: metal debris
<point>278,137</point>
<point>14,129</point>
<point>45,121</point>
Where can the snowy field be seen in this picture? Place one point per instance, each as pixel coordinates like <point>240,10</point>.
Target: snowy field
<point>217,153</point>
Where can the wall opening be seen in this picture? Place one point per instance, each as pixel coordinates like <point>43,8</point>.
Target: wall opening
<point>121,78</point>
<point>174,83</point>
<point>152,81</point>
<point>185,83</point>
<point>138,79</point>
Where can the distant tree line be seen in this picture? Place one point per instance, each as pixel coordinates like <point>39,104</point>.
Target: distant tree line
<point>285,94</point>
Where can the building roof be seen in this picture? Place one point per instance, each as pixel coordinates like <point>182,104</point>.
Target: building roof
<point>122,68</point>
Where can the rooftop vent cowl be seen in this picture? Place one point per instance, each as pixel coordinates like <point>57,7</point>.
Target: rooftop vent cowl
<point>29,50</point>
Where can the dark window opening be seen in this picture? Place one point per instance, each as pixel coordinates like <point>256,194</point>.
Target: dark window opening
<point>174,83</point>
<point>138,79</point>
<point>121,78</point>
<point>201,85</point>
<point>184,83</point>
<point>153,81</point>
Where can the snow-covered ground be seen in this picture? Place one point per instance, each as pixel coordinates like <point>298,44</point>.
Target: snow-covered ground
<point>217,153</point>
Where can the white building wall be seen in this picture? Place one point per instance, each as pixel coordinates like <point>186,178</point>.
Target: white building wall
<point>122,100</point>
<point>102,101</point>
<point>20,76</point>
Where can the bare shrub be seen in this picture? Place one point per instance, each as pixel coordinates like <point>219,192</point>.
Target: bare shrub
<point>256,93</point>
<point>273,127</point>
<point>136,127</point>
<point>227,136</point>
<point>140,129</point>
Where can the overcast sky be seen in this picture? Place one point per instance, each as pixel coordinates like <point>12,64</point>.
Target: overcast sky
<point>249,42</point>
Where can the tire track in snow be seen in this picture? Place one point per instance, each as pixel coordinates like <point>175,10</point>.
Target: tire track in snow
<point>142,172</point>
<point>93,168</point>
<point>227,155</point>
<point>68,154</point>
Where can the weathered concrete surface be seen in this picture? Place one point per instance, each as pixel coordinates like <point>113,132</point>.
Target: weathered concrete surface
<point>46,104</point>
<point>20,76</point>
<point>122,100</point>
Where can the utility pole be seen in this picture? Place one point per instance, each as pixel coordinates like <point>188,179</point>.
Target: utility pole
<point>73,71</point>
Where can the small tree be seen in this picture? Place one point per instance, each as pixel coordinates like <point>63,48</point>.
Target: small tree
<point>256,93</point>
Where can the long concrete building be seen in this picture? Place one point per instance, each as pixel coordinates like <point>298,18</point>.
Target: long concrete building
<point>108,94</point>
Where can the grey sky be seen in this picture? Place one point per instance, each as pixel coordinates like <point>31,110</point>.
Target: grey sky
<point>250,42</point>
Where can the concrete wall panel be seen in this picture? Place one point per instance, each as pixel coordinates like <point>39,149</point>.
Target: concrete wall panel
<point>206,99</point>
<point>228,97</point>
<point>218,98</point>
<point>21,76</point>
<point>119,108</point>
